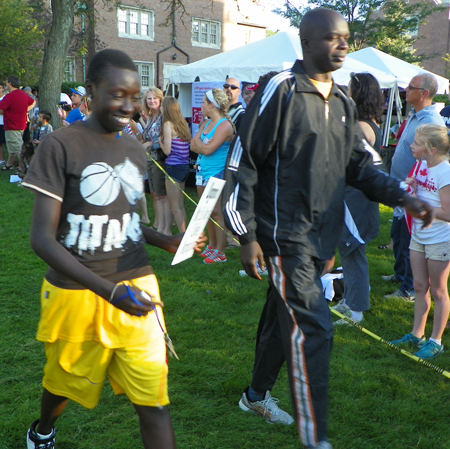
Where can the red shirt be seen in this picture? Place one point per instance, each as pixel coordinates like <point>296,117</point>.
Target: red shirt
<point>14,106</point>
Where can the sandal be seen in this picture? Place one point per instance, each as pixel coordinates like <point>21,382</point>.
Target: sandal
<point>8,168</point>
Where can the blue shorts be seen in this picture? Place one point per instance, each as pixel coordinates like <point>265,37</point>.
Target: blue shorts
<point>179,173</point>
<point>204,182</point>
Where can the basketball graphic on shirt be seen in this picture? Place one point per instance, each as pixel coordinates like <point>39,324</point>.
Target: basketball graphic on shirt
<point>99,184</point>
<point>131,180</point>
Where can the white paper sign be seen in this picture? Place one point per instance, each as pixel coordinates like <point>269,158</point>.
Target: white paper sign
<point>199,220</point>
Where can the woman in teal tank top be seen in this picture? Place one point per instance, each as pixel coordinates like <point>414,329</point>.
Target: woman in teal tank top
<point>211,143</point>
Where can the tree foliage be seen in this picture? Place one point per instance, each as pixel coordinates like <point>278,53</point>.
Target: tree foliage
<point>389,25</point>
<point>21,35</point>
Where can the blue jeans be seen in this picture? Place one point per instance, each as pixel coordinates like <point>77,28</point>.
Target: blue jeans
<point>402,267</point>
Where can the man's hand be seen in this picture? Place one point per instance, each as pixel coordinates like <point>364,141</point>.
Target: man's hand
<point>250,253</point>
<point>419,209</point>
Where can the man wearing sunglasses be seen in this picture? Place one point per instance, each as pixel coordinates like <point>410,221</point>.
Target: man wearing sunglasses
<point>232,89</point>
<point>419,94</point>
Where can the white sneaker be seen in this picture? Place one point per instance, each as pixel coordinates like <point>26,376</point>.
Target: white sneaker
<point>2,163</point>
<point>322,445</point>
<point>35,442</point>
<point>341,307</point>
<point>267,408</point>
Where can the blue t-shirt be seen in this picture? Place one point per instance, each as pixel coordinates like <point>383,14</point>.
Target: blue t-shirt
<point>74,115</point>
<point>403,161</point>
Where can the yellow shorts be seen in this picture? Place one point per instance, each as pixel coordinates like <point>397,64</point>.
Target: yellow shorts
<point>76,367</point>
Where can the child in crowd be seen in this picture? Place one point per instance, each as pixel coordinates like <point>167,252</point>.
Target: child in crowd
<point>101,313</point>
<point>44,126</point>
<point>430,248</point>
<point>211,143</point>
<point>175,142</point>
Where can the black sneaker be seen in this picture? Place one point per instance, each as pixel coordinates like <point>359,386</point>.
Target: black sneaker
<point>34,442</point>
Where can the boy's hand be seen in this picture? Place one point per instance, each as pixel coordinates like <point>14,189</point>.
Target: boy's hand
<point>133,301</point>
<point>175,240</point>
<point>201,243</point>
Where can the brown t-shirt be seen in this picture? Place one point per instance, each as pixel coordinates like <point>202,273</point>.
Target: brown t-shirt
<point>99,181</point>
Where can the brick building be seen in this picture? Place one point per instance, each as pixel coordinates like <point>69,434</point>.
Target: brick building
<point>145,30</point>
<point>434,40</point>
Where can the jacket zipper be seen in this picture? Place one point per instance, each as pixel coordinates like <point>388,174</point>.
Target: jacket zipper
<point>327,112</point>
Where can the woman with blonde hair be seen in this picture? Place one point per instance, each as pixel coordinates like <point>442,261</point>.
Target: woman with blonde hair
<point>211,143</point>
<point>429,249</point>
<point>152,107</point>
<point>175,140</point>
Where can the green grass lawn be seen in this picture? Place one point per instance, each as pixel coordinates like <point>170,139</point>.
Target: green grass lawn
<point>379,399</point>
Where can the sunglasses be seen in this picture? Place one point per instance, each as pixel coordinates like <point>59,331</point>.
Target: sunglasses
<point>409,87</point>
<point>230,86</point>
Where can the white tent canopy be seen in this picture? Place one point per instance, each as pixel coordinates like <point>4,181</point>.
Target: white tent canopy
<point>247,63</point>
<point>275,53</point>
<point>279,52</point>
<point>401,70</point>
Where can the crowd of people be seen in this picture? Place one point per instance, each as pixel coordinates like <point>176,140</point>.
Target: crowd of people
<point>301,161</point>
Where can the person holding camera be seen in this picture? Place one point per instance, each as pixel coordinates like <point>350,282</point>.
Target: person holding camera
<point>156,166</point>
<point>76,114</point>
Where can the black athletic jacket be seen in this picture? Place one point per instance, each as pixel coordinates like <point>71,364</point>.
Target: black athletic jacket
<point>289,164</point>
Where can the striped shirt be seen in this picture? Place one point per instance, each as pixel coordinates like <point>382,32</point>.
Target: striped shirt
<point>179,152</point>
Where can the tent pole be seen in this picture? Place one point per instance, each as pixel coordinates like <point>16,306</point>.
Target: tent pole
<point>387,124</point>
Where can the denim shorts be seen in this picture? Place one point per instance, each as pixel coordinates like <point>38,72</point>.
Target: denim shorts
<point>204,182</point>
<point>179,173</point>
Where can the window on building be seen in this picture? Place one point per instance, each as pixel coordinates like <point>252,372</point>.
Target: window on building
<point>70,70</point>
<point>146,73</point>
<point>205,33</point>
<point>136,23</point>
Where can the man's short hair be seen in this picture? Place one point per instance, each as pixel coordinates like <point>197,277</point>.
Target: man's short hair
<point>429,83</point>
<point>14,81</point>
<point>46,115</point>
<point>105,59</point>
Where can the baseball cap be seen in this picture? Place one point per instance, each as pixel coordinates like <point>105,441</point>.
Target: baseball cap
<point>252,88</point>
<point>80,90</point>
<point>66,98</point>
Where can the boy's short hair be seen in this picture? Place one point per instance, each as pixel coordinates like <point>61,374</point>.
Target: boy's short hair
<point>105,59</point>
<point>14,81</point>
<point>46,115</point>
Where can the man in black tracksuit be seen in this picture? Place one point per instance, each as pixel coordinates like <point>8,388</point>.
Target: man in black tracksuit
<point>299,144</point>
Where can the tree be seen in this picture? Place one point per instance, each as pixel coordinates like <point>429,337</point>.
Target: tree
<point>20,40</point>
<point>396,32</point>
<point>58,42</point>
<point>389,25</point>
<point>55,53</point>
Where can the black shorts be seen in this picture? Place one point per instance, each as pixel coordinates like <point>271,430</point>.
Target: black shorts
<point>2,135</point>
